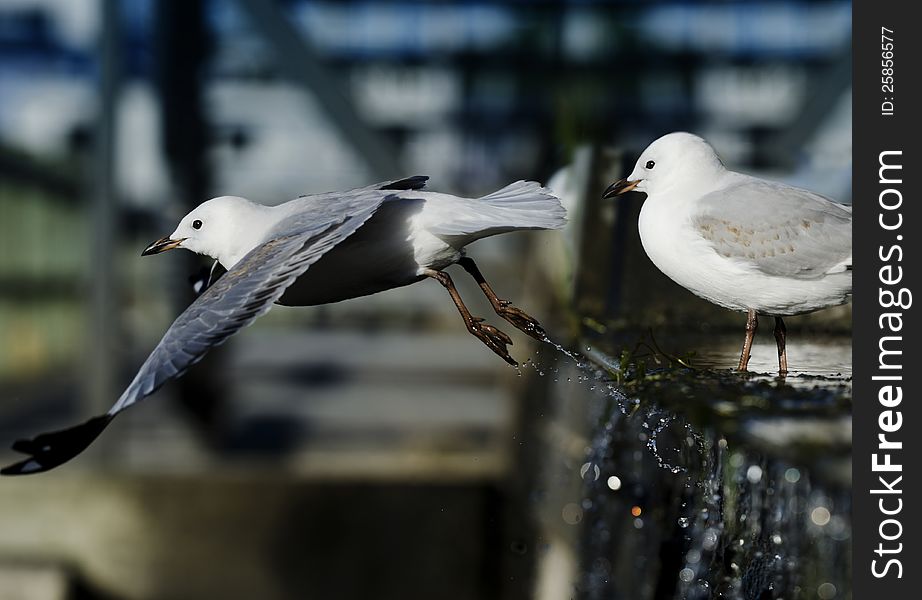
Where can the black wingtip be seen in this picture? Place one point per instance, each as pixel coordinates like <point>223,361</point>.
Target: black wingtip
<point>410,183</point>
<point>50,450</point>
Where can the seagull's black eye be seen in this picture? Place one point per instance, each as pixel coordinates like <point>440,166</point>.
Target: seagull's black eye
<point>650,164</point>
<point>196,224</point>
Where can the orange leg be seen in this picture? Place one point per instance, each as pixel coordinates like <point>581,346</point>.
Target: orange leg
<point>752,323</point>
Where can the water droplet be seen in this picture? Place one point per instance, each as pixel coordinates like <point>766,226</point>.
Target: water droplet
<point>754,474</point>
<point>820,515</point>
<point>710,539</point>
<point>686,574</point>
<point>792,475</point>
<point>838,528</point>
<point>519,547</point>
<point>572,513</point>
<point>589,470</point>
<point>638,523</point>
<point>614,482</point>
<point>684,522</point>
<point>826,591</point>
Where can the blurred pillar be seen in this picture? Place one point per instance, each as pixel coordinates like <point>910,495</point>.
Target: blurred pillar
<point>183,44</point>
<point>597,289</point>
<point>182,47</point>
<point>102,362</point>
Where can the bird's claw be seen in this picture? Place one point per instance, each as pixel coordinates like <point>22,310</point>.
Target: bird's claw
<point>494,339</point>
<point>522,321</point>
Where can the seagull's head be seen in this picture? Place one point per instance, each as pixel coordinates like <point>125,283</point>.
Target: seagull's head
<point>224,228</point>
<point>676,160</point>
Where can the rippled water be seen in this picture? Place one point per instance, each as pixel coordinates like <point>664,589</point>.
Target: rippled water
<point>808,358</point>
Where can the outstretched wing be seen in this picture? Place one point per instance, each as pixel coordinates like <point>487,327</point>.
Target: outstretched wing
<point>777,229</point>
<point>233,302</point>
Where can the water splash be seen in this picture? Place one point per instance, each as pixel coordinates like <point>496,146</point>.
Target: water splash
<point>733,517</point>
<point>578,359</point>
<point>652,445</point>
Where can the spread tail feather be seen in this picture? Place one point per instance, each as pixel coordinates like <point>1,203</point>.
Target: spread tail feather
<point>518,206</point>
<point>530,205</point>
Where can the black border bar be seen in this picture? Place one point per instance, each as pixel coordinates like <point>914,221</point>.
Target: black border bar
<point>886,535</point>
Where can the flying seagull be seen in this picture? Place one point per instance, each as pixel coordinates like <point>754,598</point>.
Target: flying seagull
<point>314,250</point>
<point>743,243</point>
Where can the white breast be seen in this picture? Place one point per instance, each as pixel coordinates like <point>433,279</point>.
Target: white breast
<point>679,251</point>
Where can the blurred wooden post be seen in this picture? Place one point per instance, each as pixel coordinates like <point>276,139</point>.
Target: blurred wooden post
<point>598,261</point>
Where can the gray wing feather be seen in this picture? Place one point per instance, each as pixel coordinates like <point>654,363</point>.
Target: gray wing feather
<point>777,229</point>
<point>239,297</point>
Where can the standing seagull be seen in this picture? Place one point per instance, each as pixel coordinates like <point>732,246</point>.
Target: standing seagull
<point>314,250</point>
<point>741,242</point>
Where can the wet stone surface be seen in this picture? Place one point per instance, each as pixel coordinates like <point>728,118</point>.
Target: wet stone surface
<point>680,478</point>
